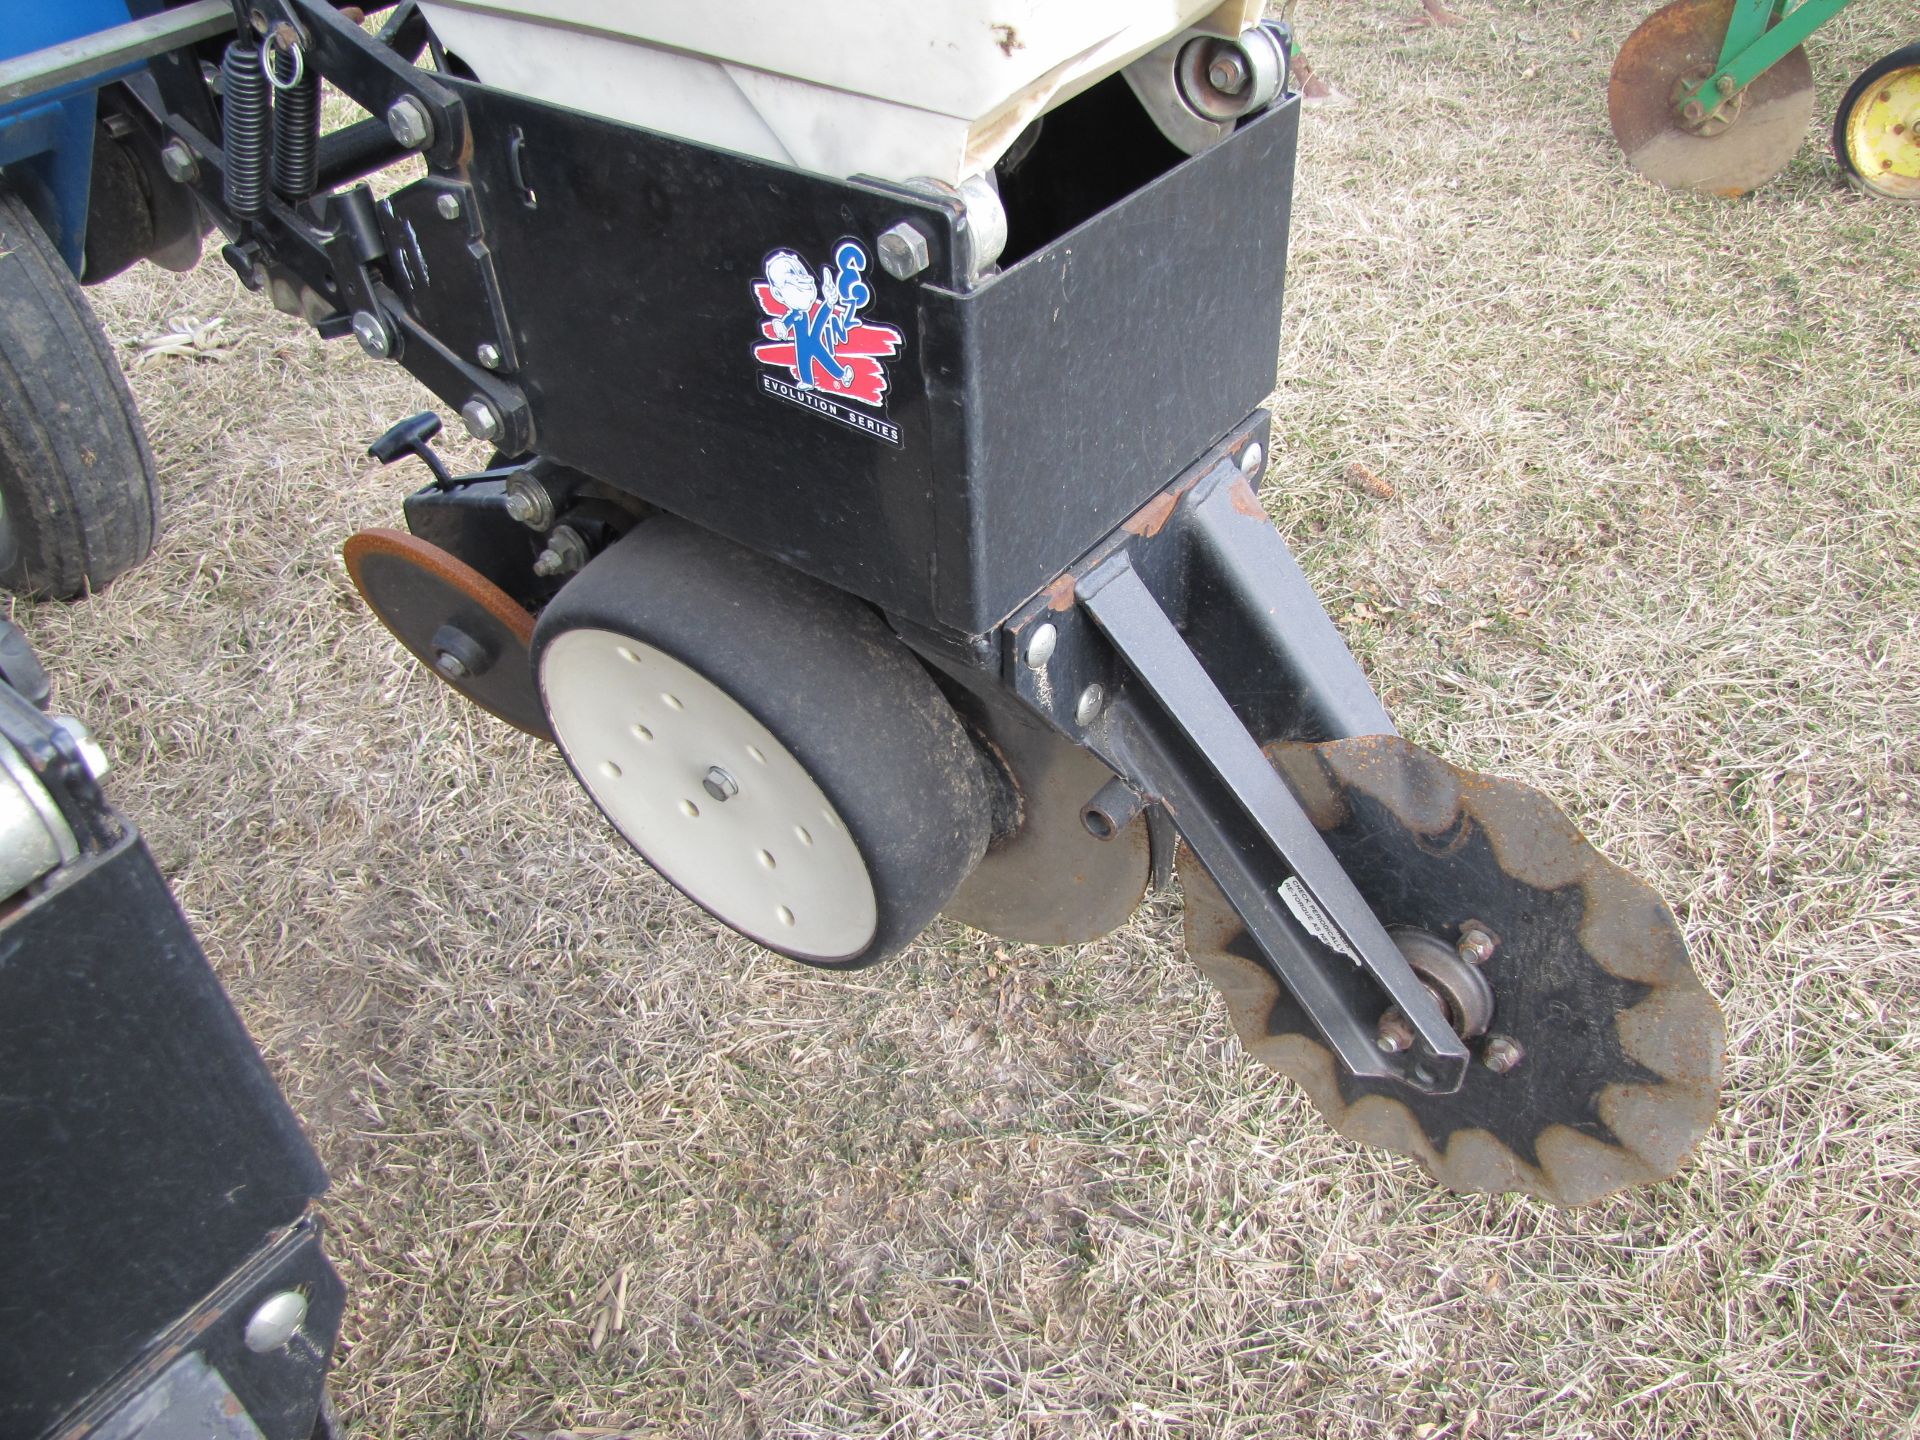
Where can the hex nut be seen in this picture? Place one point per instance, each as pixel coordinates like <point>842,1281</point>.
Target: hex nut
<point>719,784</point>
<point>409,123</point>
<point>1395,1032</point>
<point>1041,645</point>
<point>447,205</point>
<point>1476,945</point>
<point>480,418</point>
<point>180,163</point>
<point>488,354</point>
<point>1502,1054</point>
<point>903,251</point>
<point>1228,73</point>
<point>451,665</point>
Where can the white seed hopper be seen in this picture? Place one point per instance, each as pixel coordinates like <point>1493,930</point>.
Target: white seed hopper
<point>896,89</point>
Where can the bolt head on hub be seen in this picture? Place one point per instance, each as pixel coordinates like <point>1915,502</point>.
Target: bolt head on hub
<point>1502,1054</point>
<point>719,784</point>
<point>1476,945</point>
<point>1227,73</point>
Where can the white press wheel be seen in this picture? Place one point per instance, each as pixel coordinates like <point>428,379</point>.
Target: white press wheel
<point>758,845</point>
<point>764,742</point>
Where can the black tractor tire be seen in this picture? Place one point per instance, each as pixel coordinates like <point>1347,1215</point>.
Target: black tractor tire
<point>79,502</point>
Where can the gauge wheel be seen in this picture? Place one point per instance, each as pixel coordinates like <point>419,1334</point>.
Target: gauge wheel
<point>765,743</point>
<point>1876,134</point>
<point>79,503</point>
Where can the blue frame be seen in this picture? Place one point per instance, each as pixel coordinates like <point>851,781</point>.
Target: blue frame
<point>46,142</point>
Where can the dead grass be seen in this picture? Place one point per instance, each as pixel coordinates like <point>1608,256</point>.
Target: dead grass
<point>1635,517</point>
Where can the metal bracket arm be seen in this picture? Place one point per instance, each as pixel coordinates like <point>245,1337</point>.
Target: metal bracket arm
<point>1182,742</point>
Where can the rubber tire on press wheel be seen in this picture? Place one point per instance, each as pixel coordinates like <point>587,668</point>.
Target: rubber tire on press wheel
<point>861,803</point>
<point>1893,172</point>
<point>79,503</point>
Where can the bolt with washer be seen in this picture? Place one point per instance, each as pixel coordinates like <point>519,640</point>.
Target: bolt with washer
<point>180,163</point>
<point>529,502</point>
<point>719,784</point>
<point>1040,646</point>
<point>373,334</point>
<point>409,122</point>
<point>903,251</point>
<point>1227,73</point>
<point>450,665</point>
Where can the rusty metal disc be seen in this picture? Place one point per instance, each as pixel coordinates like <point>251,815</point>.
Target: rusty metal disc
<point>1619,1045</point>
<point>1755,133</point>
<point>457,623</point>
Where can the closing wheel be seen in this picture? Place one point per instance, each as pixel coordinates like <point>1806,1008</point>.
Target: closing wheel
<point>78,499</point>
<point>1599,1065</point>
<point>764,742</point>
<point>1876,133</point>
<point>1737,146</point>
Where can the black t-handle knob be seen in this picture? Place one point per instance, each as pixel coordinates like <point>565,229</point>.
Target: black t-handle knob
<point>410,437</point>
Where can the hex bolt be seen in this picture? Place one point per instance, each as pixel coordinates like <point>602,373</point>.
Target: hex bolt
<point>1724,84</point>
<point>488,354</point>
<point>1502,1054</point>
<point>1253,460</point>
<point>1476,945</point>
<point>903,251</point>
<point>180,163</point>
<point>719,784</point>
<point>410,123</point>
<point>1040,647</point>
<point>1395,1032</point>
<point>447,205</point>
<point>1227,73</point>
<point>1695,110</point>
<point>372,333</point>
<point>1087,707</point>
<point>480,418</point>
<point>450,665</point>
<point>275,1322</point>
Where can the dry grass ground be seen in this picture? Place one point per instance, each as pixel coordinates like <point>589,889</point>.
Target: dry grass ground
<point>1613,490</point>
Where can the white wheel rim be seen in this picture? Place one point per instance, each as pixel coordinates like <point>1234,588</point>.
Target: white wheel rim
<point>643,730</point>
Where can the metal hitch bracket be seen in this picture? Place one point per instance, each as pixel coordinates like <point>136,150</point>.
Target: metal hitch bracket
<point>1125,681</point>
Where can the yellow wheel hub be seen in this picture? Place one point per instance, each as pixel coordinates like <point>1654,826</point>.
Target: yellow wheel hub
<point>1882,134</point>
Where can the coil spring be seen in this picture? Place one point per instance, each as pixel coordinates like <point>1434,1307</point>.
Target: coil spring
<point>245,117</point>
<point>296,127</point>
